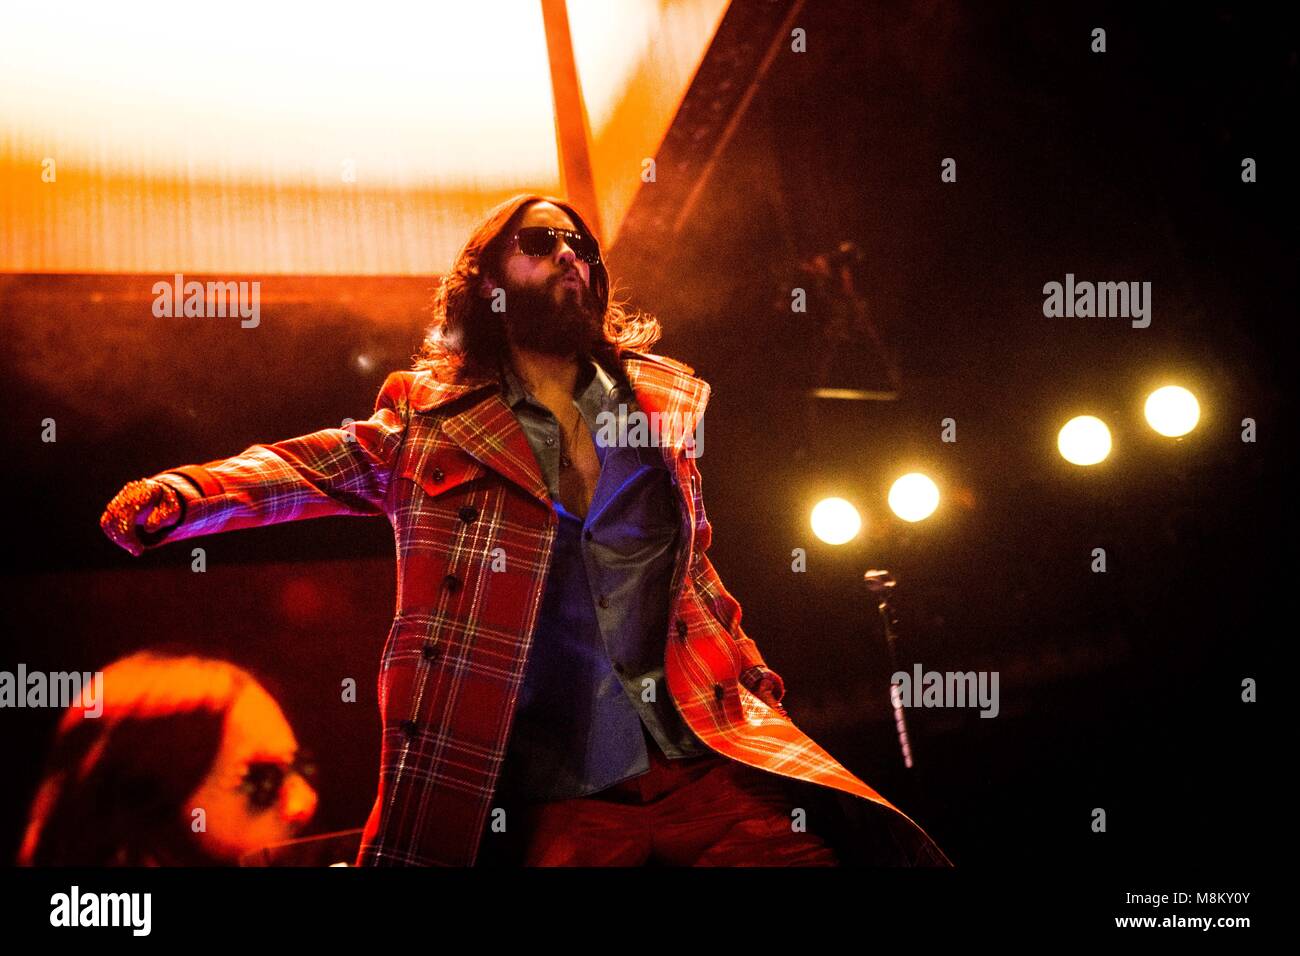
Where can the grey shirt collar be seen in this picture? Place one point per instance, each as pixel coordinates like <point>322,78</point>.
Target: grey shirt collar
<point>592,387</point>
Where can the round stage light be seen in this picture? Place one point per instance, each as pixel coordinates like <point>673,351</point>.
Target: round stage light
<point>1084,440</point>
<point>1172,411</point>
<point>914,497</point>
<point>835,521</point>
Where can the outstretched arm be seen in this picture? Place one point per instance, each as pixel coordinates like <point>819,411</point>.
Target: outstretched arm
<point>335,471</point>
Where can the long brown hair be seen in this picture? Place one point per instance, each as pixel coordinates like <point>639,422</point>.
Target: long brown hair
<point>114,788</point>
<point>467,338</point>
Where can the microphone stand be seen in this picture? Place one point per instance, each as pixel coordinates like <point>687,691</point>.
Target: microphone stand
<point>880,585</point>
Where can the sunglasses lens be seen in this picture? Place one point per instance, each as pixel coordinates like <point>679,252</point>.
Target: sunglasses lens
<point>536,241</point>
<point>540,241</point>
<point>584,248</point>
<point>263,783</point>
<point>264,779</point>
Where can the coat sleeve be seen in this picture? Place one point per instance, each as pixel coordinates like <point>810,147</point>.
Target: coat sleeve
<point>709,586</point>
<point>335,471</point>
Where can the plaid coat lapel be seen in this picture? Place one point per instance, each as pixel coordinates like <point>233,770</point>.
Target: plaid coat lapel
<point>487,430</point>
<point>670,389</point>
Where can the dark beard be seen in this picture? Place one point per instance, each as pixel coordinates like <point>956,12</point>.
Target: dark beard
<point>535,321</point>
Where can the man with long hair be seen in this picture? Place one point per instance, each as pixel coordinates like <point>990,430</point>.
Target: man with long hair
<point>566,681</point>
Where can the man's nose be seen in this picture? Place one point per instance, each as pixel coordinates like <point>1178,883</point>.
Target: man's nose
<point>566,256</point>
<point>298,802</point>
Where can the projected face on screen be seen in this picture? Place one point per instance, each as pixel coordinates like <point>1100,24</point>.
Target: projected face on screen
<point>255,795</point>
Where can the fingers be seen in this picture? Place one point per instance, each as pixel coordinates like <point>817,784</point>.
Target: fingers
<point>153,517</point>
<point>770,692</point>
<point>119,536</point>
<point>119,519</point>
<point>766,685</point>
<point>119,531</point>
<point>164,510</point>
<point>773,685</point>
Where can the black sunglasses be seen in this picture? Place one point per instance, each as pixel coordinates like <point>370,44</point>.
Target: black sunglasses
<point>539,241</point>
<point>264,779</point>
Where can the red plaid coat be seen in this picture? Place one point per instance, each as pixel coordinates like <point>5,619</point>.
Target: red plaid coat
<point>450,467</point>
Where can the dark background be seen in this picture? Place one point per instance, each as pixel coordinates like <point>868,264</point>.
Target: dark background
<point>1118,690</point>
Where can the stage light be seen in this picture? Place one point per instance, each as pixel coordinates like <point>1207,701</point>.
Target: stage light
<point>914,497</point>
<point>835,521</point>
<point>1084,440</point>
<point>1172,411</point>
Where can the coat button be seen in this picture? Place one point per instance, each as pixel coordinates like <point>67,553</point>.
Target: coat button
<point>681,628</point>
<point>409,728</point>
<point>717,691</point>
<point>437,475</point>
<point>603,601</point>
<point>430,651</point>
<point>468,513</point>
<point>451,583</point>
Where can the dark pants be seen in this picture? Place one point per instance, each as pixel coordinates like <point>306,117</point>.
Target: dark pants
<point>697,811</point>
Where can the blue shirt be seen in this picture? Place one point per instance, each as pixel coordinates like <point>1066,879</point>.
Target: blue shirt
<point>595,672</point>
